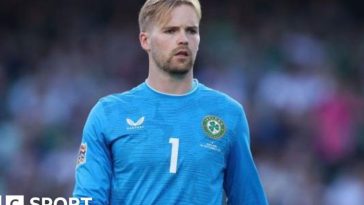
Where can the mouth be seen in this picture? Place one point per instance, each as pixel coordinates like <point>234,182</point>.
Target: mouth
<point>182,53</point>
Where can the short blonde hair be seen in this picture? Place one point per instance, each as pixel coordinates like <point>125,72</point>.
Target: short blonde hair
<point>157,10</point>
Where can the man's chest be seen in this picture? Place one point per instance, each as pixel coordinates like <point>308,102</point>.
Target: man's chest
<point>173,141</point>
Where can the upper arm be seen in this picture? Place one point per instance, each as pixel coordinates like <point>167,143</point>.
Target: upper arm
<point>241,181</point>
<point>94,169</point>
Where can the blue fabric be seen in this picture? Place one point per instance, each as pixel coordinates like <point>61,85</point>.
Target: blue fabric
<point>128,155</point>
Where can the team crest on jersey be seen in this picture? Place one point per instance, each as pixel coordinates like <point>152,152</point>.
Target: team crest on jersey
<point>81,159</point>
<point>214,127</point>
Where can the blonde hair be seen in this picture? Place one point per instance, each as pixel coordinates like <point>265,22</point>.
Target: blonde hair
<point>157,10</point>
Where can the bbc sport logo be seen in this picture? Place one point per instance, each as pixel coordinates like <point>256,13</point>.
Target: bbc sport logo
<point>19,200</point>
<point>13,200</point>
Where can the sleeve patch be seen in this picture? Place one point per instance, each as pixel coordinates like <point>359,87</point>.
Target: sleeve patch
<point>81,159</point>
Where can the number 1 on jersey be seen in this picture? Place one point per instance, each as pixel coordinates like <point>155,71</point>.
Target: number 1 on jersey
<point>174,155</point>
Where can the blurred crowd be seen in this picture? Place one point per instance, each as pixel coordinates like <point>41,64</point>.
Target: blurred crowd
<point>296,66</point>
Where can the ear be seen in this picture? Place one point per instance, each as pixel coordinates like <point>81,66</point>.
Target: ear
<point>144,40</point>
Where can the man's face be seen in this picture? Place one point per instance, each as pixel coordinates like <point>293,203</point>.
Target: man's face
<point>174,45</point>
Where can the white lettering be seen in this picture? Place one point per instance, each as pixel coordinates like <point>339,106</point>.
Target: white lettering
<point>47,201</point>
<point>35,201</point>
<point>87,199</point>
<point>19,200</point>
<point>60,199</point>
<point>73,201</point>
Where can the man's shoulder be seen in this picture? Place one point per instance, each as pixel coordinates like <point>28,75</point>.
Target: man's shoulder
<point>219,98</point>
<point>123,97</point>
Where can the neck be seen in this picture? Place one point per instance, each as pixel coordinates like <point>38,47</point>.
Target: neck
<point>168,83</point>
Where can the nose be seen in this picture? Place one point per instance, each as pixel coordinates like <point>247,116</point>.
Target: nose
<point>182,38</point>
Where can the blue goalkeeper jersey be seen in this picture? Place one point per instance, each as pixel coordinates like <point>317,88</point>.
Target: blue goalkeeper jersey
<point>145,147</point>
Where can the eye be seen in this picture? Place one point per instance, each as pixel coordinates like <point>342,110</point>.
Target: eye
<point>170,31</point>
<point>192,30</point>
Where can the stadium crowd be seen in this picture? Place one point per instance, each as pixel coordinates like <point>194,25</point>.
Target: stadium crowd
<point>296,66</point>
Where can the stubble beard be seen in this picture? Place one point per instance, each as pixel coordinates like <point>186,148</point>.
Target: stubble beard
<point>174,66</point>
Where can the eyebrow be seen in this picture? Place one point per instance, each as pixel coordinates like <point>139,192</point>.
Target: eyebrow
<point>176,27</point>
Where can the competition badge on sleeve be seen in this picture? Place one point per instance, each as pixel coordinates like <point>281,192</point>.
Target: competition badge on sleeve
<point>81,159</point>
